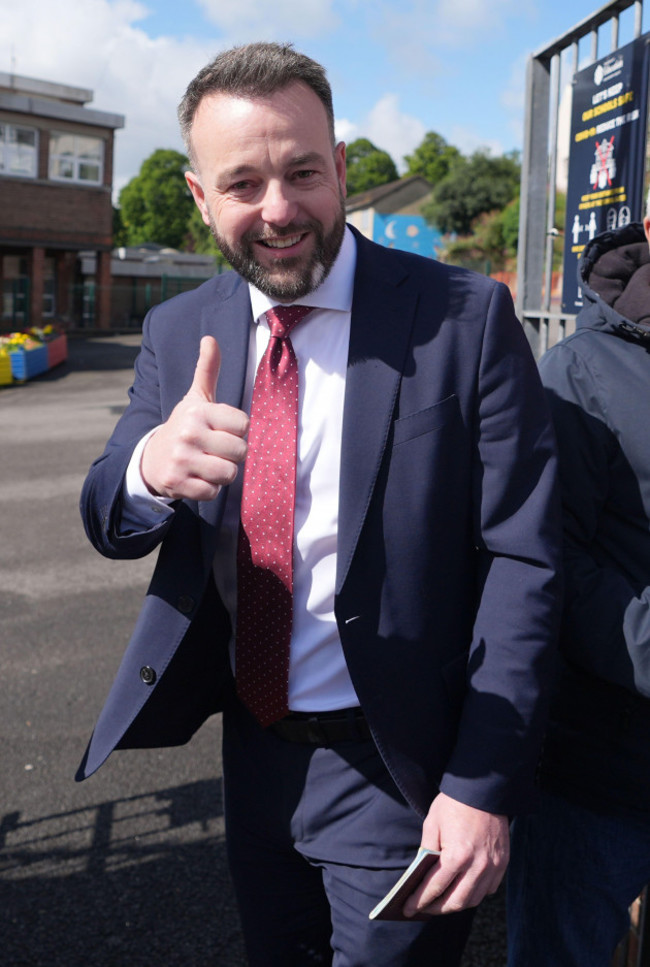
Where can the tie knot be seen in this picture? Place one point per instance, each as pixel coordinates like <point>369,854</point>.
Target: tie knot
<point>282,319</point>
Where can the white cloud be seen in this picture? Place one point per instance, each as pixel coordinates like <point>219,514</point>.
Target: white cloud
<point>467,142</point>
<point>246,20</point>
<point>389,128</point>
<point>346,130</point>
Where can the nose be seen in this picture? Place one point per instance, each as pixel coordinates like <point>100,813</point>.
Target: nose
<point>278,206</point>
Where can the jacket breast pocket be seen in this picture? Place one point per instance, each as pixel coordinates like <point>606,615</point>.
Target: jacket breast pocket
<point>425,421</point>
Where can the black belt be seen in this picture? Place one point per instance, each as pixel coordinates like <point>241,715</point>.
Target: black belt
<point>323,728</point>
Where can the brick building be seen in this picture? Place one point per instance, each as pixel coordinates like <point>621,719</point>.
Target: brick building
<point>56,173</point>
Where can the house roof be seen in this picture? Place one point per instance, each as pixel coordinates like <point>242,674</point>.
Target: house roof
<point>29,95</point>
<point>390,196</point>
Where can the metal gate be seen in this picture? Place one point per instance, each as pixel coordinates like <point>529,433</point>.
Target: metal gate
<point>548,70</point>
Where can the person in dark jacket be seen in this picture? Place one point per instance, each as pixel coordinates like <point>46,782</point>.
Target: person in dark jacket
<point>582,858</point>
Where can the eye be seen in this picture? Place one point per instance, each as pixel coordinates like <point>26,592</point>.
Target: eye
<point>303,174</point>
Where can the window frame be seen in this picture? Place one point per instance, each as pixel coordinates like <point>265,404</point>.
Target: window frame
<point>77,160</point>
<point>11,148</point>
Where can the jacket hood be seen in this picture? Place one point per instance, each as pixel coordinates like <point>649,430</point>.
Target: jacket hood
<point>614,273</point>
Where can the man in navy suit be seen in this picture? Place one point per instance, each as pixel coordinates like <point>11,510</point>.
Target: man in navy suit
<point>425,595</point>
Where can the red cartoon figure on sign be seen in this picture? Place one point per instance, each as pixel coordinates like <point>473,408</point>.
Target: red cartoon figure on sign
<point>603,170</point>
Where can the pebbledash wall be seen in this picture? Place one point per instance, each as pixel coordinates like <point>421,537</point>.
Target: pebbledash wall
<point>56,173</point>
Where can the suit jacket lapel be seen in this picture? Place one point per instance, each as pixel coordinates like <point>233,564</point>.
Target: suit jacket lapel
<point>228,319</point>
<point>383,310</point>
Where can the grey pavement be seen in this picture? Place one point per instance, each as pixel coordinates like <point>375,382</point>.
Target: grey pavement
<point>128,868</point>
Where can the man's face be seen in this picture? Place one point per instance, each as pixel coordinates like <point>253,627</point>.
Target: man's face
<point>271,187</point>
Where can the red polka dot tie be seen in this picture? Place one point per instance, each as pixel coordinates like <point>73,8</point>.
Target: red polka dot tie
<point>265,549</point>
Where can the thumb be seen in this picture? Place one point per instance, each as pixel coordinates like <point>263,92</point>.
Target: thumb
<point>207,369</point>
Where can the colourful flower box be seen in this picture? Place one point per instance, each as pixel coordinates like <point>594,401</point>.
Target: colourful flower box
<point>57,350</point>
<point>6,376</point>
<point>27,363</point>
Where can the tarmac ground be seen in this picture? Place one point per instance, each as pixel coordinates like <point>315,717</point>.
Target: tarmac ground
<point>128,868</point>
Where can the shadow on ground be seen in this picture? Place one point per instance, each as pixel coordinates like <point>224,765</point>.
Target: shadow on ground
<point>137,881</point>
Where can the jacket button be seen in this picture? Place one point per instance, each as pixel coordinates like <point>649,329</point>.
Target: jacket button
<point>147,674</point>
<point>185,604</point>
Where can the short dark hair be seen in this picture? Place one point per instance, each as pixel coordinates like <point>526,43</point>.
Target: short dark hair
<point>254,70</point>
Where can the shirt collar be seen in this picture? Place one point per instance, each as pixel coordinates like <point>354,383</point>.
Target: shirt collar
<point>334,293</point>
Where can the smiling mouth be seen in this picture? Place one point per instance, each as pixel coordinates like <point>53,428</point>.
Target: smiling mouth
<point>280,243</point>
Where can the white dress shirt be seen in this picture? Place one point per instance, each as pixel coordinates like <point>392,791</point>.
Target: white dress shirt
<point>318,675</point>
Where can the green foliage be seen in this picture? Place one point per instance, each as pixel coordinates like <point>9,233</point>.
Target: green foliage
<point>199,238</point>
<point>156,205</point>
<point>560,220</point>
<point>492,244</point>
<point>510,226</point>
<point>433,159</point>
<point>473,186</point>
<point>119,232</point>
<point>483,250</point>
<point>368,166</point>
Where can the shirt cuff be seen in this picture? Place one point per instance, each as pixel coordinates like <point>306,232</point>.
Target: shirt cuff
<point>141,509</point>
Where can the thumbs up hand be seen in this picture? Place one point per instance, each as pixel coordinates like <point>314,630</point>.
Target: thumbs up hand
<point>206,374</point>
<point>199,448</point>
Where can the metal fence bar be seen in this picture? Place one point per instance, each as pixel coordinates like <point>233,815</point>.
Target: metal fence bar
<point>552,187</point>
<point>530,255</point>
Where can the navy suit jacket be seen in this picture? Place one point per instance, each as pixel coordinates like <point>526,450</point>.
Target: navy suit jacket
<point>447,598</point>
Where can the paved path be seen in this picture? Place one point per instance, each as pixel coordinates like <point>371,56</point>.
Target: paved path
<point>126,869</point>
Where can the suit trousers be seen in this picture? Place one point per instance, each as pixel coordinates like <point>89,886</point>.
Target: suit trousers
<point>316,837</point>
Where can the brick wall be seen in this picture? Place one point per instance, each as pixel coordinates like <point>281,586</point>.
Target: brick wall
<point>41,213</point>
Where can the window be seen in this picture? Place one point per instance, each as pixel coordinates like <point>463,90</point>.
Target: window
<point>75,157</point>
<point>14,289</point>
<point>18,150</point>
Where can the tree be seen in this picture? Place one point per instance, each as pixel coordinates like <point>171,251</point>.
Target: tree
<point>199,238</point>
<point>119,232</point>
<point>433,159</point>
<point>489,247</point>
<point>368,166</point>
<point>156,205</point>
<point>510,226</point>
<point>472,187</point>
<point>495,239</point>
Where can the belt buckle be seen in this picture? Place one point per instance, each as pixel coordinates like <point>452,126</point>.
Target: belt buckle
<point>316,732</point>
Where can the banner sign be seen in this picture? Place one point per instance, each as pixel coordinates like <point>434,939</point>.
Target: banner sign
<point>607,154</point>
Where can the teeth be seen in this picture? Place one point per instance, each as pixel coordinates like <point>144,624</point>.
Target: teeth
<point>282,242</point>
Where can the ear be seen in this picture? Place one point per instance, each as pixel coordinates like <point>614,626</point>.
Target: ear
<point>198,194</point>
<point>341,170</point>
<point>646,227</point>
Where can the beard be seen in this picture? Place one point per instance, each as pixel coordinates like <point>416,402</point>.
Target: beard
<point>292,278</point>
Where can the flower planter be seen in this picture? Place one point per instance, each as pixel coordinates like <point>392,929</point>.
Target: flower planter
<point>57,351</point>
<point>26,363</point>
<point>6,376</point>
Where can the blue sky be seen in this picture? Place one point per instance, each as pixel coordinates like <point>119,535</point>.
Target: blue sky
<point>399,68</point>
